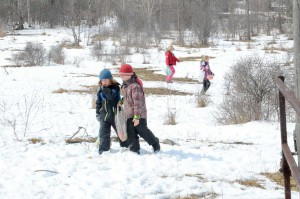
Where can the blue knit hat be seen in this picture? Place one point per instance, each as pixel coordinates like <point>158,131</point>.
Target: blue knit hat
<point>105,74</point>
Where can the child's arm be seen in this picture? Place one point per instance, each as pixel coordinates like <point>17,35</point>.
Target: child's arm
<point>138,100</point>
<point>98,105</point>
<point>110,94</point>
<point>168,54</point>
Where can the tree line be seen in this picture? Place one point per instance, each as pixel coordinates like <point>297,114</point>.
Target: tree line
<point>155,18</point>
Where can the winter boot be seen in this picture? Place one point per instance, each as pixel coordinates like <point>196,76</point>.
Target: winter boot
<point>156,146</point>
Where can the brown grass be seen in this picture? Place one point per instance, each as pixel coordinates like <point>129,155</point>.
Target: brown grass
<point>196,58</point>
<point>149,75</point>
<point>237,142</point>
<point>71,46</point>
<point>250,183</point>
<point>62,90</point>
<point>88,139</point>
<point>163,91</point>
<point>144,75</point>
<point>80,140</point>
<point>278,178</point>
<point>35,140</point>
<point>87,90</point>
<point>207,195</point>
<point>197,175</point>
<point>148,91</point>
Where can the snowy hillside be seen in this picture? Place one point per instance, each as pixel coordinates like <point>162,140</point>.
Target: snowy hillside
<point>198,158</point>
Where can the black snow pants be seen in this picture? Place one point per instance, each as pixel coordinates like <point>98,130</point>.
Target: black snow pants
<point>104,135</point>
<point>133,133</point>
<point>206,85</point>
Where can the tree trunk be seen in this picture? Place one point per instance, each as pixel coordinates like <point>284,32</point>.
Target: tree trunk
<point>20,25</point>
<point>248,20</point>
<point>296,33</point>
<point>28,13</point>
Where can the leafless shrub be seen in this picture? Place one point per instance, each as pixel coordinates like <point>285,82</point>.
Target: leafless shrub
<point>19,116</point>
<point>33,55</point>
<point>201,100</point>
<point>77,61</point>
<point>97,50</point>
<point>170,117</point>
<point>251,92</point>
<point>57,55</point>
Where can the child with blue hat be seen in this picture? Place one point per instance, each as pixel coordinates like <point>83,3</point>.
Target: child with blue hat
<point>108,96</point>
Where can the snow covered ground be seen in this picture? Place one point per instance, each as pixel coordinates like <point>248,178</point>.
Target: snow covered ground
<point>207,160</point>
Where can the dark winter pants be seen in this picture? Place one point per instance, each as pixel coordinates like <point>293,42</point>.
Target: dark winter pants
<point>206,85</point>
<point>104,135</point>
<point>133,133</point>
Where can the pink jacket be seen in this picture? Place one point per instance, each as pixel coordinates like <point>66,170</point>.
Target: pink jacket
<point>171,59</point>
<point>207,71</point>
<point>134,99</point>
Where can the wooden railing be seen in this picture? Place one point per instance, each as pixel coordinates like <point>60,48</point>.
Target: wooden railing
<point>289,166</point>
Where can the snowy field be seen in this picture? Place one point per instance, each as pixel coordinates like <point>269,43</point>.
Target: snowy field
<point>207,160</point>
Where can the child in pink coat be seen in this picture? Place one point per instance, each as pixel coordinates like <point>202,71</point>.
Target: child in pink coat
<point>208,74</point>
<point>171,62</point>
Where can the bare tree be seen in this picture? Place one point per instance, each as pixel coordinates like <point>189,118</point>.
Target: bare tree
<point>21,8</point>
<point>248,19</point>
<point>149,8</point>
<point>28,13</point>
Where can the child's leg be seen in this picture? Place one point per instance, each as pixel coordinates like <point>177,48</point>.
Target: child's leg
<point>207,85</point>
<point>104,135</point>
<point>122,144</point>
<point>132,137</point>
<point>203,87</point>
<point>172,74</point>
<point>145,132</point>
<point>170,77</point>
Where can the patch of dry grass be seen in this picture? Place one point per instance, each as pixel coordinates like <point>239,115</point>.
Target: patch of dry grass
<point>144,75</point>
<point>196,175</point>
<point>71,46</point>
<point>88,90</point>
<point>278,178</point>
<point>163,91</point>
<point>80,140</point>
<point>148,91</point>
<point>273,49</point>
<point>149,75</point>
<point>196,58</point>
<point>205,195</point>
<point>237,142</point>
<point>250,183</point>
<point>35,140</point>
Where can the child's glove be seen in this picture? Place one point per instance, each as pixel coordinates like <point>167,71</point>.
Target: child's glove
<point>98,116</point>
